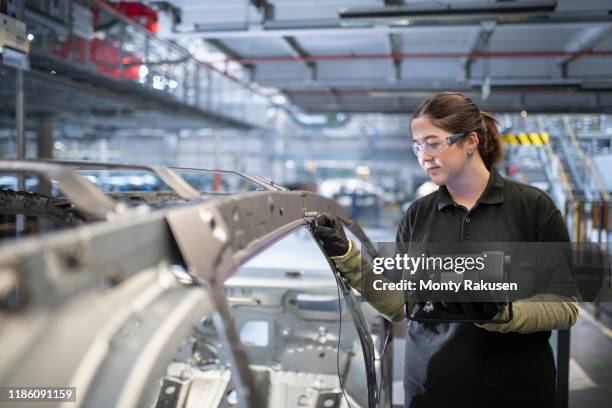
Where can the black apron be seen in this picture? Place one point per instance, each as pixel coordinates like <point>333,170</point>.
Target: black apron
<point>455,365</point>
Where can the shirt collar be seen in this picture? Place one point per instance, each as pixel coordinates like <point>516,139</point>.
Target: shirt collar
<point>492,194</point>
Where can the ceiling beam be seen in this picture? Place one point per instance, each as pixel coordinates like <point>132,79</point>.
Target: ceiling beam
<point>476,38</point>
<point>586,39</point>
<point>297,51</point>
<point>328,27</point>
<point>516,103</point>
<point>480,43</point>
<point>395,48</point>
<point>420,89</point>
<point>265,9</point>
<point>220,46</point>
<point>425,55</point>
<point>509,108</point>
<point>231,54</point>
<point>336,96</point>
<point>459,11</point>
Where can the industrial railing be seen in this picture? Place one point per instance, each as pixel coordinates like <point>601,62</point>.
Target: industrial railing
<point>589,221</point>
<point>587,216</point>
<point>591,183</point>
<point>93,37</point>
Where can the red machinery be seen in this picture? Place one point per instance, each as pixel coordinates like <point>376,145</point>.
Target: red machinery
<point>139,12</point>
<point>106,55</point>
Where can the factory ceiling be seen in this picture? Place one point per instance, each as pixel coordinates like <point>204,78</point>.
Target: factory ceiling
<point>386,56</point>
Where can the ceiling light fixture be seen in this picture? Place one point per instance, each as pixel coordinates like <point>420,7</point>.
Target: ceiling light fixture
<point>476,10</point>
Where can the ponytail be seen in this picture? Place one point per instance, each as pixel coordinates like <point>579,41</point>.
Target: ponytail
<point>490,145</point>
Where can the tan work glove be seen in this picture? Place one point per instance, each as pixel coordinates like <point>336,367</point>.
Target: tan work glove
<point>351,265</point>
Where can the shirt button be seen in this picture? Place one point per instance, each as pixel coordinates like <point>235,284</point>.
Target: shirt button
<point>467,220</point>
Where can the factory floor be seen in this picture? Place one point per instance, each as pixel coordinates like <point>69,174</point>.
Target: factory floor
<point>591,361</point>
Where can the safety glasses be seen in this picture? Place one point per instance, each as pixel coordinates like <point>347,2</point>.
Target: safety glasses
<point>435,147</point>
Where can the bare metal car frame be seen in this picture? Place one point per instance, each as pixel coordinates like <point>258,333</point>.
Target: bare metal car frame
<point>99,308</point>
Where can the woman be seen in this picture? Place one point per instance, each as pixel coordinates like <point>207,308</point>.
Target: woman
<point>465,364</point>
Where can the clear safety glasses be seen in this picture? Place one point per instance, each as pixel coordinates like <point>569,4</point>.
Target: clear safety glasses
<point>435,147</point>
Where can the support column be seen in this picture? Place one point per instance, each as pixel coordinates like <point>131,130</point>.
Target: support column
<point>20,140</point>
<point>563,359</point>
<point>44,143</point>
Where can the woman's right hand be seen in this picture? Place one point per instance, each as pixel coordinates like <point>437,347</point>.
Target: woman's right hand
<point>349,263</point>
<point>331,234</point>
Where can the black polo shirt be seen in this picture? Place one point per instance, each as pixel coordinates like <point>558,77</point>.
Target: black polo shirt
<point>461,364</point>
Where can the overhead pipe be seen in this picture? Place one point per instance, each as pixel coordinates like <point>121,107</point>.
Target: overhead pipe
<point>499,89</point>
<point>421,55</point>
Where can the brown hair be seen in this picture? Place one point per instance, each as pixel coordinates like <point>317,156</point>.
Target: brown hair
<point>457,113</point>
